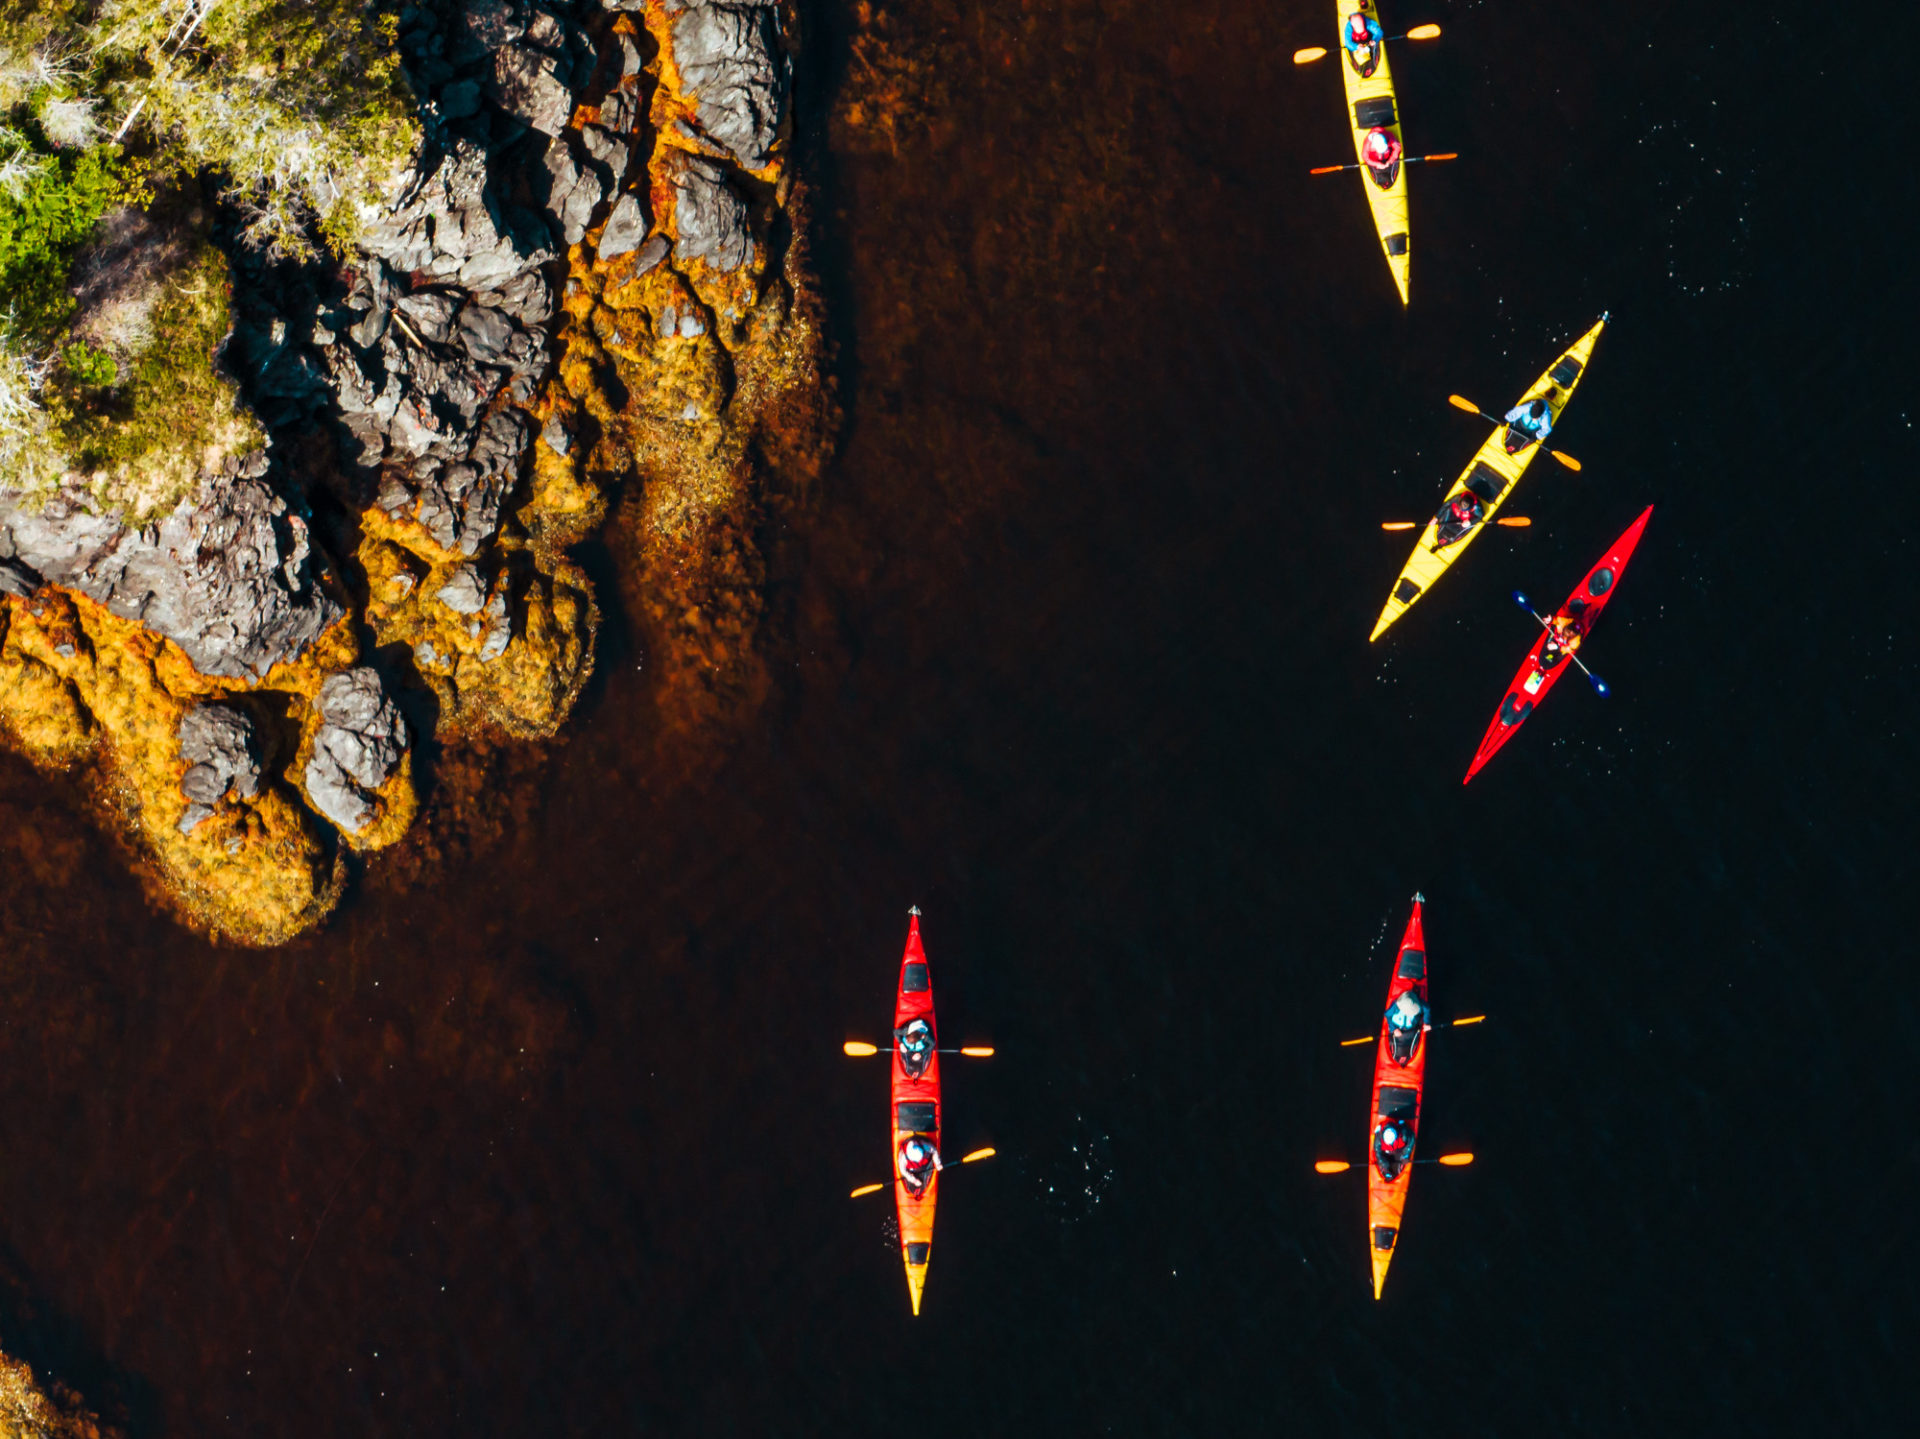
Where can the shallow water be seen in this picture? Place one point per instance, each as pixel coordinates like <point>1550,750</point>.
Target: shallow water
<point>1070,649</point>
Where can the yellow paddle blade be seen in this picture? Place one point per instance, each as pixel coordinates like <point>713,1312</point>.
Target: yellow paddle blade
<point>1470,1019</point>
<point>977,1051</point>
<point>1456,1160</point>
<point>1399,524</point>
<point>986,1153</point>
<point>859,1049</point>
<point>866,1189</point>
<point>1564,458</point>
<point>1514,522</point>
<point>1309,55</point>
<point>1331,1166</point>
<point>1461,402</point>
<point>1424,32</point>
<point>1363,1039</point>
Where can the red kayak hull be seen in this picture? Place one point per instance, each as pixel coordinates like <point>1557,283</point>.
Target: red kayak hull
<point>1531,684</point>
<point>1397,1090</point>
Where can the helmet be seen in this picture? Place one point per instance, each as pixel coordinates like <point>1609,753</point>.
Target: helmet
<point>918,1152</point>
<point>1390,1136</point>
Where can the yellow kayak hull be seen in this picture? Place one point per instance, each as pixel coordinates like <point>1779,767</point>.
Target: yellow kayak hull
<point>1429,561</point>
<point>1370,99</point>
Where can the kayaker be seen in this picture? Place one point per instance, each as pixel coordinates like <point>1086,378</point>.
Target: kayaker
<point>915,1043</point>
<point>1528,423</point>
<point>1381,148</point>
<point>1459,515</point>
<point>1406,1019</point>
<point>1359,35</point>
<point>1394,1147</point>
<point>919,1162</point>
<point>1563,639</point>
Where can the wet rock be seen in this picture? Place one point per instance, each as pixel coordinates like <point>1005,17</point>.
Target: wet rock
<point>225,575</point>
<point>356,750</point>
<point>219,745</point>
<point>465,593</point>
<point>626,228</point>
<point>729,58</point>
<point>711,218</point>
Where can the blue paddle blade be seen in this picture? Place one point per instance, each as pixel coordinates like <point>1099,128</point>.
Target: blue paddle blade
<point>1600,685</point>
<point>1522,601</point>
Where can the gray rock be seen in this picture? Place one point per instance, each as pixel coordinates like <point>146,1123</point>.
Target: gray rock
<point>429,313</point>
<point>356,749</point>
<point>465,593</point>
<point>619,110</point>
<point>605,147</point>
<point>712,220</point>
<point>485,333</point>
<point>626,228</point>
<point>492,23</point>
<point>225,575</point>
<point>499,628</point>
<point>651,254</point>
<point>731,62</point>
<point>527,84</point>
<point>559,439</point>
<point>219,745</point>
<point>17,579</point>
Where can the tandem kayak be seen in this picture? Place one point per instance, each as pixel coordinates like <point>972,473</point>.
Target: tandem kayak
<point>1489,478</point>
<point>1371,105</point>
<point>1399,1075</point>
<point>1535,678</point>
<point>916,1112</point>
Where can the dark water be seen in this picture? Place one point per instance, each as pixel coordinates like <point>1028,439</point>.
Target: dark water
<point>1071,651</point>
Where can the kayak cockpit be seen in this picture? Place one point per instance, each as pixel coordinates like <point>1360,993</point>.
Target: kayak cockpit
<point>1393,1130</point>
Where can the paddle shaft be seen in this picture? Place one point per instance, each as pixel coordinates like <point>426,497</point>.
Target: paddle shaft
<point>1403,160</point>
<point>1559,455</point>
<point>1599,683</point>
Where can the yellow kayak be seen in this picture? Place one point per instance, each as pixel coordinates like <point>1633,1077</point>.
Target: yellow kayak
<point>1370,105</point>
<point>1485,483</point>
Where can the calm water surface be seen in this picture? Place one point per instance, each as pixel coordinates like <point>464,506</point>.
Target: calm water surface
<point>1071,650</point>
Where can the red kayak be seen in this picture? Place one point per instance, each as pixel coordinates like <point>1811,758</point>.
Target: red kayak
<point>1399,1076</point>
<point>1552,653</point>
<point>916,1111</point>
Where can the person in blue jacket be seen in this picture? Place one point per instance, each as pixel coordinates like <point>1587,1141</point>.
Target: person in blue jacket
<point>1359,35</point>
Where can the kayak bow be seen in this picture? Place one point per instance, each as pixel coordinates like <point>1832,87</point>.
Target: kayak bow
<point>1531,684</point>
<point>1371,104</point>
<point>1490,477</point>
<point>916,1111</point>
<point>1397,1085</point>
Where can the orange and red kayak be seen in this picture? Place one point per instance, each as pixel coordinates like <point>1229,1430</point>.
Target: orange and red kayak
<point>916,1111</point>
<point>1399,1075</point>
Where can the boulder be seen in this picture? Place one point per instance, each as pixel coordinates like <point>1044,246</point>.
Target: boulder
<point>711,218</point>
<point>730,60</point>
<point>356,749</point>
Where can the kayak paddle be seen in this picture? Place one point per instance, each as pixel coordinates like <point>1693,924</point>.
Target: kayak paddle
<point>972,1158</point>
<point>1461,402</point>
<point>1340,1166</point>
<point>860,1049</point>
<point>1404,160</point>
<point>1512,522</point>
<point>1443,1024</point>
<point>1319,52</point>
<point>1598,683</point>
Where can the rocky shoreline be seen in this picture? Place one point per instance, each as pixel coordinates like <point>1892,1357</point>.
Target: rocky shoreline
<point>590,284</point>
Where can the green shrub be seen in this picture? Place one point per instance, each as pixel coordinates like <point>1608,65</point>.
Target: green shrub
<point>44,219</point>
<point>89,366</point>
